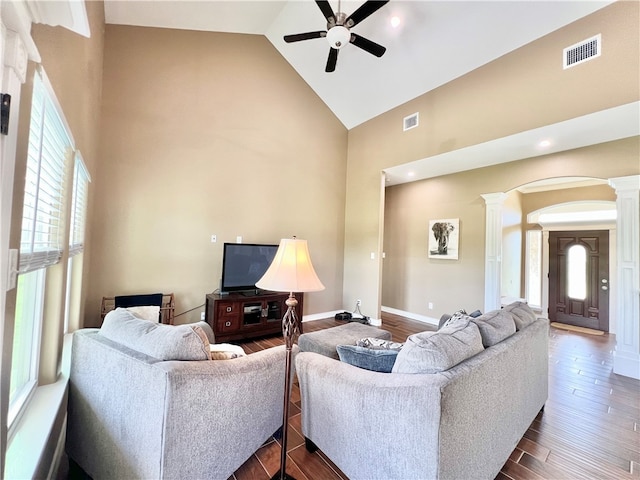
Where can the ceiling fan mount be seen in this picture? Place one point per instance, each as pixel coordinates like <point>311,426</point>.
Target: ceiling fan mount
<point>339,33</point>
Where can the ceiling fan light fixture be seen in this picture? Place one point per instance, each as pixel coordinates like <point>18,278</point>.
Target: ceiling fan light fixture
<point>338,36</point>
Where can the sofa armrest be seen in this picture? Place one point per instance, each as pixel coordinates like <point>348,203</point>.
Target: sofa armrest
<point>220,412</point>
<point>366,408</point>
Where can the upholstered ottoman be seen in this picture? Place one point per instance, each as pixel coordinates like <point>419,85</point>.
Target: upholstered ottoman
<point>325,341</point>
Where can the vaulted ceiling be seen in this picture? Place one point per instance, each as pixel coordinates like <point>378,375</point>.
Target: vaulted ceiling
<point>434,43</point>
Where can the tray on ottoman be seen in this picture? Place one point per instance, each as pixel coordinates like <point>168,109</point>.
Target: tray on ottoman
<point>325,341</point>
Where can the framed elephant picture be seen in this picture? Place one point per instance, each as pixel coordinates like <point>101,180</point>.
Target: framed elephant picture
<point>444,238</point>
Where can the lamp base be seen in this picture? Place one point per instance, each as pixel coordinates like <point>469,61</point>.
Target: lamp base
<point>278,477</point>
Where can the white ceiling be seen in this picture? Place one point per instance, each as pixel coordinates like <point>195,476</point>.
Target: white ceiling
<point>436,42</point>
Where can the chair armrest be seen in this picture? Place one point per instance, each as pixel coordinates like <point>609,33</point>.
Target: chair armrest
<point>227,406</point>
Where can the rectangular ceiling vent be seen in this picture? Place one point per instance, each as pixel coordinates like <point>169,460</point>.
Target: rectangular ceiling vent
<point>410,122</point>
<point>582,52</point>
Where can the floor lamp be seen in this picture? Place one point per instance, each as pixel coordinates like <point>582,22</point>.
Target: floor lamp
<point>290,271</point>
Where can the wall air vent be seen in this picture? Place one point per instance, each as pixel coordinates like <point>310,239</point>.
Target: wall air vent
<point>410,122</point>
<point>581,52</point>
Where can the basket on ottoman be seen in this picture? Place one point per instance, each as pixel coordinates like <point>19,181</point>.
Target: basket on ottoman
<point>325,341</point>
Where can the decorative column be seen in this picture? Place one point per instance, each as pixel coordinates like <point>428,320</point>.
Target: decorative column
<point>626,360</point>
<point>493,250</point>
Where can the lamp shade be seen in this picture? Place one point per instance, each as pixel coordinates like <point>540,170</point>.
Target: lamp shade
<point>291,269</point>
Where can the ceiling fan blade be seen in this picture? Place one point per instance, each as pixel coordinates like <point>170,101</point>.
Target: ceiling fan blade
<point>364,11</point>
<point>331,61</point>
<point>297,37</point>
<point>327,11</point>
<point>367,45</point>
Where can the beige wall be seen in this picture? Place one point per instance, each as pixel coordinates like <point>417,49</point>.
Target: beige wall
<point>209,133</point>
<point>520,91</point>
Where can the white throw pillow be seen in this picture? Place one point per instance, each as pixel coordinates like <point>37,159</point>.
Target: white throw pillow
<point>226,351</point>
<point>149,312</point>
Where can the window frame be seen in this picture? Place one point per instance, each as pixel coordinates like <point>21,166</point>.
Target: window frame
<point>43,239</point>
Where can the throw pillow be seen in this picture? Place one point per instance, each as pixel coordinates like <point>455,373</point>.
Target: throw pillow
<point>379,344</point>
<point>522,314</point>
<point>377,360</point>
<point>208,330</point>
<point>164,342</point>
<point>495,326</point>
<point>433,352</point>
<point>226,351</point>
<point>149,312</point>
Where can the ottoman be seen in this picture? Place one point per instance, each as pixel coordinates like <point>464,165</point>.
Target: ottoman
<point>325,341</point>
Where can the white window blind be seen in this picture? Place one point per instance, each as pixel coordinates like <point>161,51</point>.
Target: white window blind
<point>79,198</point>
<point>50,145</point>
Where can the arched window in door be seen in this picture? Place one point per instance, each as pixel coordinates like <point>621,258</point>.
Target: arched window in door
<point>577,272</point>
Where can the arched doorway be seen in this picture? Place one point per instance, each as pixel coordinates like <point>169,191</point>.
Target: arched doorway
<point>573,288</point>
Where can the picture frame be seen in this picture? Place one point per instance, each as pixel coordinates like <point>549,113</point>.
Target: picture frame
<point>444,238</point>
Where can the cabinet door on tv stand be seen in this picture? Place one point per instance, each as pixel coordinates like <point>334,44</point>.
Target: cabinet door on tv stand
<point>227,317</point>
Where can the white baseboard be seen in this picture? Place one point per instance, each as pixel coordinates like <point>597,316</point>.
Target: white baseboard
<point>321,316</point>
<point>412,316</point>
<point>626,363</point>
<point>375,321</point>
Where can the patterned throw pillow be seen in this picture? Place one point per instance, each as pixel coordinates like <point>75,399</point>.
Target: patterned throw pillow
<point>226,351</point>
<point>456,315</point>
<point>378,344</point>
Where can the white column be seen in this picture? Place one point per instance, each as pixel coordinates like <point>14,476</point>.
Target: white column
<point>493,250</point>
<point>626,360</point>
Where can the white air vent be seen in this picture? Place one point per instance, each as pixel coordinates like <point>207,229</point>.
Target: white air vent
<point>582,52</point>
<point>410,122</point>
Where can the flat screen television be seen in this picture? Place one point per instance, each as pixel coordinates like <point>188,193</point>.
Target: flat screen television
<point>243,264</point>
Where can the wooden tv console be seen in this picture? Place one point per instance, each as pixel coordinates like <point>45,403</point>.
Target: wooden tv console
<point>236,316</point>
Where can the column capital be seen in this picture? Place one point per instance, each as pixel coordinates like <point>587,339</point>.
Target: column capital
<point>622,184</point>
<point>497,198</point>
<point>16,55</point>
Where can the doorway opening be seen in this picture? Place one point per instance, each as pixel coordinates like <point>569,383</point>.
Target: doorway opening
<point>569,261</point>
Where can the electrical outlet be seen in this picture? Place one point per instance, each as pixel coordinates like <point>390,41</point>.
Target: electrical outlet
<point>202,316</point>
<point>214,238</point>
<point>359,302</point>
<point>430,306</point>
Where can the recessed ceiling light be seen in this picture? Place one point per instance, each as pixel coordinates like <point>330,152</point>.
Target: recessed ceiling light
<point>544,143</point>
<point>395,21</point>
<point>410,174</point>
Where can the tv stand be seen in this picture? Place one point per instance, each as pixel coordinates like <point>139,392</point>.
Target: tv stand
<point>237,316</point>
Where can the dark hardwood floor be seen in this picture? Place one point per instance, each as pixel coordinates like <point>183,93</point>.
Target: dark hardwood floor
<point>590,427</point>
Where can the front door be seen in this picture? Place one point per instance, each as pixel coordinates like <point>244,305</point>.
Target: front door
<point>579,278</point>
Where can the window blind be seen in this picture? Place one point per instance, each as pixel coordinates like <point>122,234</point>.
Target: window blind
<point>79,198</point>
<point>50,146</point>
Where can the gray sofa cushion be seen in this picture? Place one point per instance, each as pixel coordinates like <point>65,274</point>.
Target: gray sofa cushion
<point>164,342</point>
<point>377,360</point>
<point>495,326</point>
<point>522,314</point>
<point>433,352</point>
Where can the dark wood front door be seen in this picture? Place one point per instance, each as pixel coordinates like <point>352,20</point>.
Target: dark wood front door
<point>579,278</point>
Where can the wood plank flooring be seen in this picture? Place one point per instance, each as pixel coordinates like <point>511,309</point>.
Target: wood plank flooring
<point>590,427</point>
